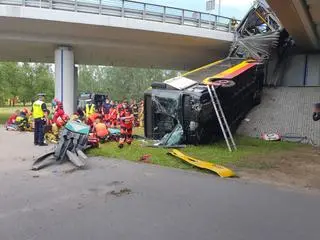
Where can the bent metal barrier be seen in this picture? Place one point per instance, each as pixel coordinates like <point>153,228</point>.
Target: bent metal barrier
<point>132,9</point>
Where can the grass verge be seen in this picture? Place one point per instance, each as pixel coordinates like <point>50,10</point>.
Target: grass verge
<point>5,112</point>
<point>248,149</point>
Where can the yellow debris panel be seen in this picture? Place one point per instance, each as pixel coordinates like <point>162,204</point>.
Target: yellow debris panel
<point>218,169</point>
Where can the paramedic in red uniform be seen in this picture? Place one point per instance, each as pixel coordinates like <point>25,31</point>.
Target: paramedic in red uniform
<point>58,112</point>
<point>112,116</point>
<point>126,124</point>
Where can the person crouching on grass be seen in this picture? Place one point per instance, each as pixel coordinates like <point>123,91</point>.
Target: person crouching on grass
<point>101,130</point>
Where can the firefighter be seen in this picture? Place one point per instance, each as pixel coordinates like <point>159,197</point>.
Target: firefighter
<point>90,108</point>
<point>39,112</point>
<point>126,124</point>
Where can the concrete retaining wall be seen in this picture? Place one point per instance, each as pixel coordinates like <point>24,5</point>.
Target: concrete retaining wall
<point>284,110</point>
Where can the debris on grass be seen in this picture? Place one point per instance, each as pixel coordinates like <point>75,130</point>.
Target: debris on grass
<point>145,158</point>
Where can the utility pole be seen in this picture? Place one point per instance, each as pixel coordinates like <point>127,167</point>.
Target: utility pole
<point>211,6</point>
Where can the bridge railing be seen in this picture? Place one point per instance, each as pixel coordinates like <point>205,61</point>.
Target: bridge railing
<point>133,9</point>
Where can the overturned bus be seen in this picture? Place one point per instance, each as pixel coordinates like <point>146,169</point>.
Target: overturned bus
<point>185,100</point>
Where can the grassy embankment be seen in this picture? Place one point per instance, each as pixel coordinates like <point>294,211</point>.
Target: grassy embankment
<point>248,150</point>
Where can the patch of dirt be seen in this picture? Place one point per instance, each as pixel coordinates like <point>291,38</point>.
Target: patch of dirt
<point>296,168</point>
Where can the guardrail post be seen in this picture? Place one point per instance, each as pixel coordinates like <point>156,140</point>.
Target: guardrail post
<point>100,6</point>
<point>182,17</point>
<point>75,5</point>
<point>215,22</point>
<point>23,3</point>
<point>122,9</point>
<point>229,25</point>
<point>164,14</point>
<point>200,20</point>
<point>144,11</point>
<point>40,4</point>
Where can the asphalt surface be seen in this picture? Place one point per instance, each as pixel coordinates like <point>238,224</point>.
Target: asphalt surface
<point>115,199</point>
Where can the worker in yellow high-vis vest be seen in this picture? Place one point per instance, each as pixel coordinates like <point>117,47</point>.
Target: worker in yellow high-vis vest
<point>40,113</point>
<point>90,109</point>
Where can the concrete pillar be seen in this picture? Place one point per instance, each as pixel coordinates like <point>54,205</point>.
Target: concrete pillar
<point>75,87</point>
<point>65,81</point>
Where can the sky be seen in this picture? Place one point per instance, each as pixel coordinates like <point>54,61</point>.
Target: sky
<point>229,8</point>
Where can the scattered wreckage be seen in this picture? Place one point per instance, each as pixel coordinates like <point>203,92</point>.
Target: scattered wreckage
<point>73,141</point>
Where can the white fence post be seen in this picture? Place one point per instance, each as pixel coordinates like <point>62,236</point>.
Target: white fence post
<point>122,9</point>
<point>144,11</point>
<point>182,17</point>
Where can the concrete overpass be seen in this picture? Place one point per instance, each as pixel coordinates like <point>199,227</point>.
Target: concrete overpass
<point>108,32</point>
<point>123,33</point>
<point>301,18</point>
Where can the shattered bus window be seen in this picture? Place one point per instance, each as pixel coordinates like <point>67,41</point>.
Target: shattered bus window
<point>165,107</point>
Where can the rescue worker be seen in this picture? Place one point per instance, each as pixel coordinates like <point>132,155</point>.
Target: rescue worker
<point>92,118</point>
<point>59,112</point>
<point>39,112</point>
<point>54,103</point>
<point>106,107</point>
<point>22,120</point>
<point>135,110</point>
<point>119,109</point>
<point>126,124</point>
<point>90,108</point>
<point>141,114</point>
<point>80,113</point>
<point>112,116</point>
<point>12,120</point>
<point>101,130</point>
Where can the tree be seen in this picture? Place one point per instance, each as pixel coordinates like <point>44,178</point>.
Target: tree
<point>120,82</point>
<point>25,80</point>
<point>11,79</point>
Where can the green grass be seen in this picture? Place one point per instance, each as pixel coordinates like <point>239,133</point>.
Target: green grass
<point>248,148</point>
<point>5,113</point>
<point>4,117</point>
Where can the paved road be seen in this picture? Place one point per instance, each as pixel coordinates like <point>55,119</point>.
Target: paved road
<point>156,203</point>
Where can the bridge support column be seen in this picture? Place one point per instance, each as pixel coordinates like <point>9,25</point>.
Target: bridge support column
<point>65,82</point>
